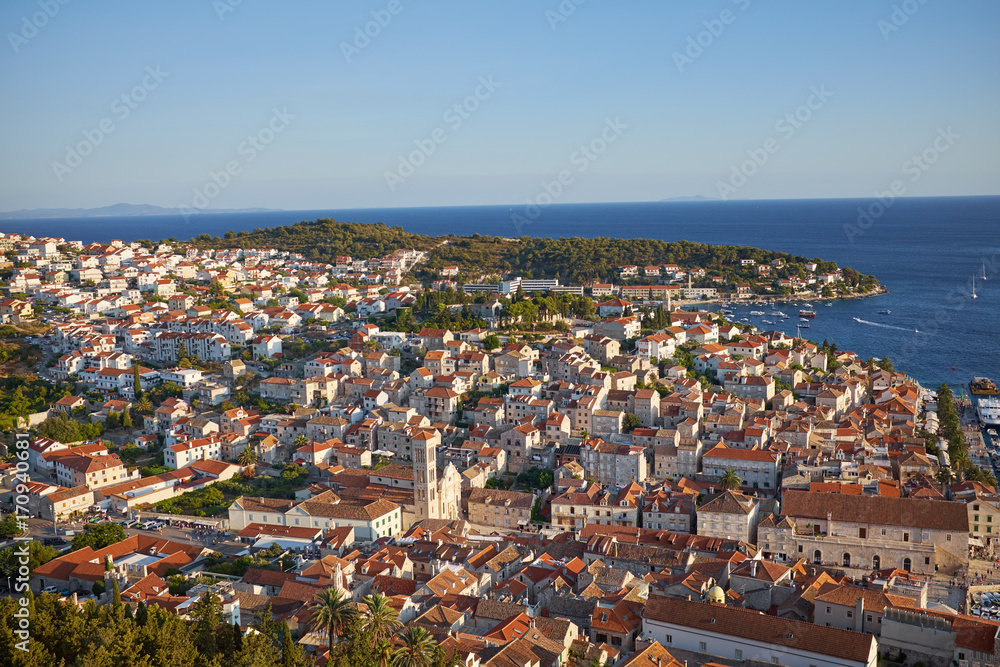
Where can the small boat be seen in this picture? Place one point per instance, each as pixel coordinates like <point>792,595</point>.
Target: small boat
<point>767,321</point>
<point>807,313</point>
<point>885,312</point>
<point>857,319</point>
<point>829,305</point>
<point>803,326</point>
<point>756,312</point>
<point>802,319</point>
<point>974,287</point>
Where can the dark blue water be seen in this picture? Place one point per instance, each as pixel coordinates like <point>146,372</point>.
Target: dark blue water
<point>925,250</point>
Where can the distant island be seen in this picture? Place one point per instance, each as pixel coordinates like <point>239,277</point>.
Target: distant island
<point>115,210</point>
<point>689,199</point>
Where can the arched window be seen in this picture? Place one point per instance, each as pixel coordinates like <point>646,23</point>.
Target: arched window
<point>817,557</point>
<point>876,562</point>
<point>907,564</point>
<point>847,560</point>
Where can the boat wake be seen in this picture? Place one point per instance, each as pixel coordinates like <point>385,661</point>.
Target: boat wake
<point>879,324</point>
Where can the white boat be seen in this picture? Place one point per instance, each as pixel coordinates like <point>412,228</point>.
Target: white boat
<point>857,319</point>
<point>756,312</point>
<point>988,410</point>
<point>767,321</point>
<point>829,305</point>
<point>974,287</point>
<point>803,319</point>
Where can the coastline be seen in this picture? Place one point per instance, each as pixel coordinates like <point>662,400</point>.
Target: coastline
<point>878,291</point>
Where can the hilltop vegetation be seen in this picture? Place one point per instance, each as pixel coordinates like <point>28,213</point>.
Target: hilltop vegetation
<point>571,260</point>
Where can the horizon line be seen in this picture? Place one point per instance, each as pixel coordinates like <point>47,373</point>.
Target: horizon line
<point>682,199</point>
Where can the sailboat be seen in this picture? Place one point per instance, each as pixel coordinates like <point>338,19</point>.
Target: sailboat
<point>974,287</point>
<point>984,270</point>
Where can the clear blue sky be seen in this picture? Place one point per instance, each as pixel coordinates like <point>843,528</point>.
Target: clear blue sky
<point>891,93</point>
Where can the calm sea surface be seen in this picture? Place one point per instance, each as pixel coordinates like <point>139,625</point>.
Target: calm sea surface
<point>925,250</point>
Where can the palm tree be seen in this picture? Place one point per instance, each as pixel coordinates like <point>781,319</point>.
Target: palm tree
<point>417,650</point>
<point>248,459</point>
<point>379,621</point>
<point>383,653</point>
<point>730,481</point>
<point>144,406</point>
<point>946,475</point>
<point>331,611</point>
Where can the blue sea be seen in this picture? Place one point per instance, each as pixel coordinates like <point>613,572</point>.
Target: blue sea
<point>927,251</point>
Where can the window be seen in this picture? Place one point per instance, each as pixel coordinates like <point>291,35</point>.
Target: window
<point>883,532</point>
<point>948,537</point>
<point>869,618</point>
<point>775,660</point>
<point>669,639</point>
<point>702,646</point>
<point>739,654</point>
<point>862,533</point>
<point>906,537</point>
<point>850,614</point>
<point>828,610</point>
<point>975,517</point>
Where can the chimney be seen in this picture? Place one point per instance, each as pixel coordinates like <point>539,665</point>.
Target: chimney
<point>859,613</point>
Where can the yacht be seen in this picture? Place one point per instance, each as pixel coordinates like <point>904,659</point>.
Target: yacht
<point>885,312</point>
<point>988,410</point>
<point>756,312</point>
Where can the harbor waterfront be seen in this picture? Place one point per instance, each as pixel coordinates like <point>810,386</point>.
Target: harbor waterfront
<point>925,251</point>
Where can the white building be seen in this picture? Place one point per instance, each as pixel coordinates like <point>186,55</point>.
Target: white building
<point>743,634</point>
